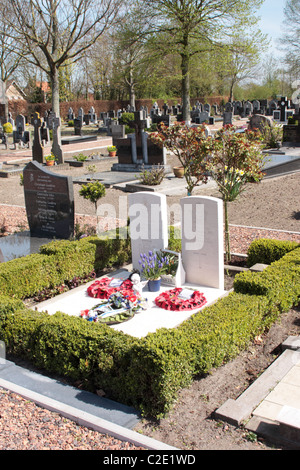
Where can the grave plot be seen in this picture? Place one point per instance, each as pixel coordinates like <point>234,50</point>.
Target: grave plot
<point>198,280</point>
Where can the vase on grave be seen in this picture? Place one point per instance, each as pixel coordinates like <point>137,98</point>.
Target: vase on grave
<point>178,171</point>
<point>154,285</point>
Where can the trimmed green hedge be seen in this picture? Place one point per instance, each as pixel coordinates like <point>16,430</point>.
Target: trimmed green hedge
<point>59,261</point>
<point>267,251</point>
<point>279,282</point>
<point>146,373</point>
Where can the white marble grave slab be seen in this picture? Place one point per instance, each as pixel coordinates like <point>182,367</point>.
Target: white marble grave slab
<point>147,321</point>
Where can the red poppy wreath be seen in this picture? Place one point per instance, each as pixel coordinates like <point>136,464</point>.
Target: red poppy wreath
<point>170,300</point>
<point>105,287</point>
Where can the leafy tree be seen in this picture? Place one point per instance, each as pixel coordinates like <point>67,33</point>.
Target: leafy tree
<point>93,191</point>
<point>9,60</point>
<point>291,39</point>
<point>239,60</point>
<point>56,32</point>
<point>235,159</point>
<point>190,146</point>
<point>192,27</point>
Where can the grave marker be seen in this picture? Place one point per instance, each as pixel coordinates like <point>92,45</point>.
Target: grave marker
<point>202,241</point>
<point>49,202</point>
<point>37,148</point>
<point>20,135</point>
<point>148,224</point>
<point>56,144</point>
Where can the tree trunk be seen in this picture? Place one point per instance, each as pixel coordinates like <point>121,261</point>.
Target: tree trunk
<point>131,89</point>
<point>185,86</point>
<point>55,91</point>
<point>227,239</point>
<point>231,91</point>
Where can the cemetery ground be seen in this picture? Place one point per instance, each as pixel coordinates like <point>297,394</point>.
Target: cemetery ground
<point>272,204</point>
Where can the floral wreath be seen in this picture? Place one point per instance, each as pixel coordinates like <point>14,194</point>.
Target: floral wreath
<point>170,300</point>
<point>102,289</point>
<point>119,307</point>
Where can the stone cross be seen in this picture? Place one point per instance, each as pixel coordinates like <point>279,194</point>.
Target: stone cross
<point>37,148</point>
<point>283,105</point>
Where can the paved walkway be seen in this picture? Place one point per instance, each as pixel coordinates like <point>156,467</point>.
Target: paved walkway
<point>270,407</point>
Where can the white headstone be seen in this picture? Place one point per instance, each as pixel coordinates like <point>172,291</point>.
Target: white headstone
<point>148,223</point>
<point>202,241</point>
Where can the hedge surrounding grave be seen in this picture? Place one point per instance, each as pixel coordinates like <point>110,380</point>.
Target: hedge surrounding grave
<point>279,283</point>
<point>59,261</point>
<point>266,251</point>
<point>146,373</point>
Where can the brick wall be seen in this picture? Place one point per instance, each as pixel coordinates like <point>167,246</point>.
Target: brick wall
<point>22,107</point>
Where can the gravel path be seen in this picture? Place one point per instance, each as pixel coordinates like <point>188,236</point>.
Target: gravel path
<point>26,426</point>
<point>274,204</point>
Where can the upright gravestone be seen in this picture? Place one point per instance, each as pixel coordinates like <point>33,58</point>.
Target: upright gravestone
<point>283,106</point>
<point>136,150</point>
<point>49,202</point>
<point>202,241</point>
<point>37,148</point>
<point>56,144</point>
<point>45,135</point>
<point>148,224</point>
<point>70,114</point>
<point>227,117</point>
<point>78,126</point>
<point>20,135</point>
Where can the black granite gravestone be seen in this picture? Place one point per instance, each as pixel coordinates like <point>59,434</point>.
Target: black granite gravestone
<point>49,202</point>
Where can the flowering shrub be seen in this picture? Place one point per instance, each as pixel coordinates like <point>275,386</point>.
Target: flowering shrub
<point>235,159</point>
<point>7,128</point>
<point>152,177</point>
<point>191,147</point>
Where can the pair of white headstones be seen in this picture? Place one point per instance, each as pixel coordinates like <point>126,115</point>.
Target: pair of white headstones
<point>201,221</point>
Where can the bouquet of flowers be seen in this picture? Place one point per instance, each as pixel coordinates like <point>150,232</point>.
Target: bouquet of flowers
<point>153,265</point>
<point>117,308</point>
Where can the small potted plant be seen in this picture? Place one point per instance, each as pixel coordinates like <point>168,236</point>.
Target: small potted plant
<point>112,150</point>
<point>169,275</point>
<point>50,159</point>
<point>153,266</point>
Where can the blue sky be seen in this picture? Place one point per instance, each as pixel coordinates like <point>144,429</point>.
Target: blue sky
<point>271,13</point>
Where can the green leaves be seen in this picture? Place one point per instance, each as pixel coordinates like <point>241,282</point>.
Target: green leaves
<point>92,191</point>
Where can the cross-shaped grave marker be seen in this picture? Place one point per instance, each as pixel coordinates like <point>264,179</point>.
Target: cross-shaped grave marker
<point>37,148</point>
<point>283,105</point>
